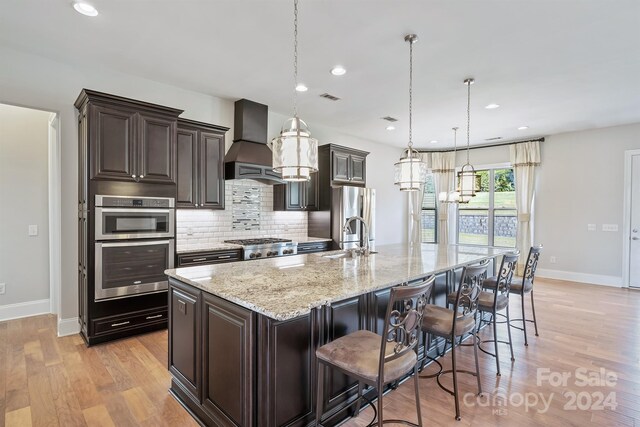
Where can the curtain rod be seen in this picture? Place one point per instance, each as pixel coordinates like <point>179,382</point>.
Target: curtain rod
<point>473,147</point>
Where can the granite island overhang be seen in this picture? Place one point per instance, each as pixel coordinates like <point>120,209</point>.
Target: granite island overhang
<point>242,336</point>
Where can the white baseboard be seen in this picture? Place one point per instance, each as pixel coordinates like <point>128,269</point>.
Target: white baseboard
<point>68,327</point>
<point>24,309</point>
<point>594,279</point>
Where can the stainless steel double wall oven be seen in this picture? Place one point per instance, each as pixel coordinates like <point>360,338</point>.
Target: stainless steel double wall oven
<point>134,245</point>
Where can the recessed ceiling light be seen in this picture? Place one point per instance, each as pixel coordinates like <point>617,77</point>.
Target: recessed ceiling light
<point>391,127</point>
<point>338,70</point>
<point>523,128</point>
<point>433,141</point>
<point>301,87</point>
<point>85,8</point>
<point>492,106</point>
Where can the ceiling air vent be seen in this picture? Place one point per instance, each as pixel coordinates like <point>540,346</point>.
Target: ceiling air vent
<point>330,97</point>
<point>494,138</point>
<point>390,119</point>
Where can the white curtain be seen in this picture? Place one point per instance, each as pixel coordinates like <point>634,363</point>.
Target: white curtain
<point>443,167</point>
<point>415,211</point>
<point>525,157</point>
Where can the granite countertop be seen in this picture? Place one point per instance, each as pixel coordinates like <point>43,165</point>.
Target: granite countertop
<point>287,287</point>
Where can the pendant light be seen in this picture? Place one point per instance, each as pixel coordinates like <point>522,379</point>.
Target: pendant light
<point>410,171</point>
<point>467,181</point>
<point>295,153</point>
<point>452,196</point>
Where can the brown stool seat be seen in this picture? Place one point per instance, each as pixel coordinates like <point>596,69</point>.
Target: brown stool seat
<point>359,352</point>
<point>485,301</point>
<point>439,321</point>
<point>516,285</point>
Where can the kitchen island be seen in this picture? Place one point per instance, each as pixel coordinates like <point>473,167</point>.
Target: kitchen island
<point>242,336</point>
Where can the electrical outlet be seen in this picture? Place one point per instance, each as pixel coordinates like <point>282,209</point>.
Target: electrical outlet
<point>591,227</point>
<point>33,230</point>
<point>552,260</point>
<point>609,227</point>
<point>3,288</point>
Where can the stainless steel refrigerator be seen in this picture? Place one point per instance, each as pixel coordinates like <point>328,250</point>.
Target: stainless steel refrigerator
<point>347,202</point>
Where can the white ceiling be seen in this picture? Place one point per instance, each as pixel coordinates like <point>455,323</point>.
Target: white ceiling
<point>552,65</point>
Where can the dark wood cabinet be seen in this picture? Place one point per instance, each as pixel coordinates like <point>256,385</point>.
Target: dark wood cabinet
<point>346,166</point>
<point>297,196</point>
<point>200,165</point>
<point>208,257</point>
<point>310,247</point>
<point>131,143</point>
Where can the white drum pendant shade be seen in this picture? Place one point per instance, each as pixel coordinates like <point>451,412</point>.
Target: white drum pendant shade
<point>410,171</point>
<point>295,153</point>
<point>467,183</point>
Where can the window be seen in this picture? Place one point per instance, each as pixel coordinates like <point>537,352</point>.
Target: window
<point>490,218</point>
<point>429,212</point>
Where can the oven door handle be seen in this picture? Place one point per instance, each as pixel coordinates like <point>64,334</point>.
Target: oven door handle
<point>135,210</point>
<point>121,244</point>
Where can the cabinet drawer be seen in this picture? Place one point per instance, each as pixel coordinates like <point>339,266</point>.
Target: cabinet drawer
<point>215,257</point>
<point>132,320</point>
<point>306,248</point>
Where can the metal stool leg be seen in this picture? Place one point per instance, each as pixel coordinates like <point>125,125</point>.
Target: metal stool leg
<point>455,377</point>
<point>524,320</point>
<point>320,393</point>
<point>380,417</point>
<point>359,398</point>
<point>509,331</point>
<point>415,381</point>
<point>475,354</point>
<point>495,342</point>
<point>533,309</point>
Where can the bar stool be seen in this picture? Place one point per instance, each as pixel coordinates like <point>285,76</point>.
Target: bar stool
<point>379,360</point>
<point>521,286</point>
<point>498,300</point>
<point>451,324</point>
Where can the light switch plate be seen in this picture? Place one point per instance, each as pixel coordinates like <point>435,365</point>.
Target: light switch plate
<point>609,227</point>
<point>591,227</point>
<point>33,230</point>
<point>3,288</point>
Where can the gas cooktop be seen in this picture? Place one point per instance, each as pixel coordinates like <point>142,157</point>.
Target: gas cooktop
<point>260,241</point>
<point>265,247</point>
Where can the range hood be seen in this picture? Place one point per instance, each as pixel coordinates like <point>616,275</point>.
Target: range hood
<point>249,157</point>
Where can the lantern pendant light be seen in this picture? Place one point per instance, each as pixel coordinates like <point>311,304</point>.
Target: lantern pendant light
<point>452,196</point>
<point>295,153</point>
<point>410,170</point>
<point>467,179</point>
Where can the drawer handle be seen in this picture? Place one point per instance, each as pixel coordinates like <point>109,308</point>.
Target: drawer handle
<point>137,282</point>
<point>154,317</point>
<point>224,257</point>
<point>113,325</point>
<point>199,259</point>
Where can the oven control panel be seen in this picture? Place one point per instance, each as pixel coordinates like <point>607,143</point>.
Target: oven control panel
<point>134,202</point>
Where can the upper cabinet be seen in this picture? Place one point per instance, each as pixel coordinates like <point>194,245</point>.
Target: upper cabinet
<point>129,140</point>
<point>200,165</point>
<point>296,196</point>
<point>346,166</point>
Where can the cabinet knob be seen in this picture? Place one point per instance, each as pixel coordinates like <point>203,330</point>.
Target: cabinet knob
<point>133,176</point>
<point>141,176</point>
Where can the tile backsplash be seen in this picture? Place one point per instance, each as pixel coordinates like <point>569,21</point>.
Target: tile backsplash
<point>248,213</point>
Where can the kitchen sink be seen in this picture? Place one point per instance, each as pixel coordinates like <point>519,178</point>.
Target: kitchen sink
<point>345,254</point>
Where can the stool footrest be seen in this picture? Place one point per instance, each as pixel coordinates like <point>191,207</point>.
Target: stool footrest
<point>486,341</point>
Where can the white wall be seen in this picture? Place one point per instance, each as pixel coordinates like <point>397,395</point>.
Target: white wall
<point>391,203</point>
<point>24,260</point>
<point>35,81</point>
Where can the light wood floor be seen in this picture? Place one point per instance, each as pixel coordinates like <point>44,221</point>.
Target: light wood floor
<point>49,381</point>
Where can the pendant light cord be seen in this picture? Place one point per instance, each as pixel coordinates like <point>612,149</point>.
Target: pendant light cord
<point>410,94</point>
<point>295,58</point>
<point>468,115</point>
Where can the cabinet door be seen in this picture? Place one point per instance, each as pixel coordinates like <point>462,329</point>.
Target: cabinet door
<point>296,196</point>
<point>112,136</point>
<point>357,172</point>
<point>211,170</point>
<point>311,195</point>
<point>184,339</point>
<point>157,149</point>
<point>187,168</point>
<point>339,167</point>
<point>343,318</point>
<point>228,361</point>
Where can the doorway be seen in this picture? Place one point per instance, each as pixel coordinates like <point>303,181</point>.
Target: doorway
<point>29,211</point>
<point>631,237</point>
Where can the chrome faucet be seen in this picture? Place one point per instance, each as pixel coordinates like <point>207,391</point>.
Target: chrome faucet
<point>364,241</point>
